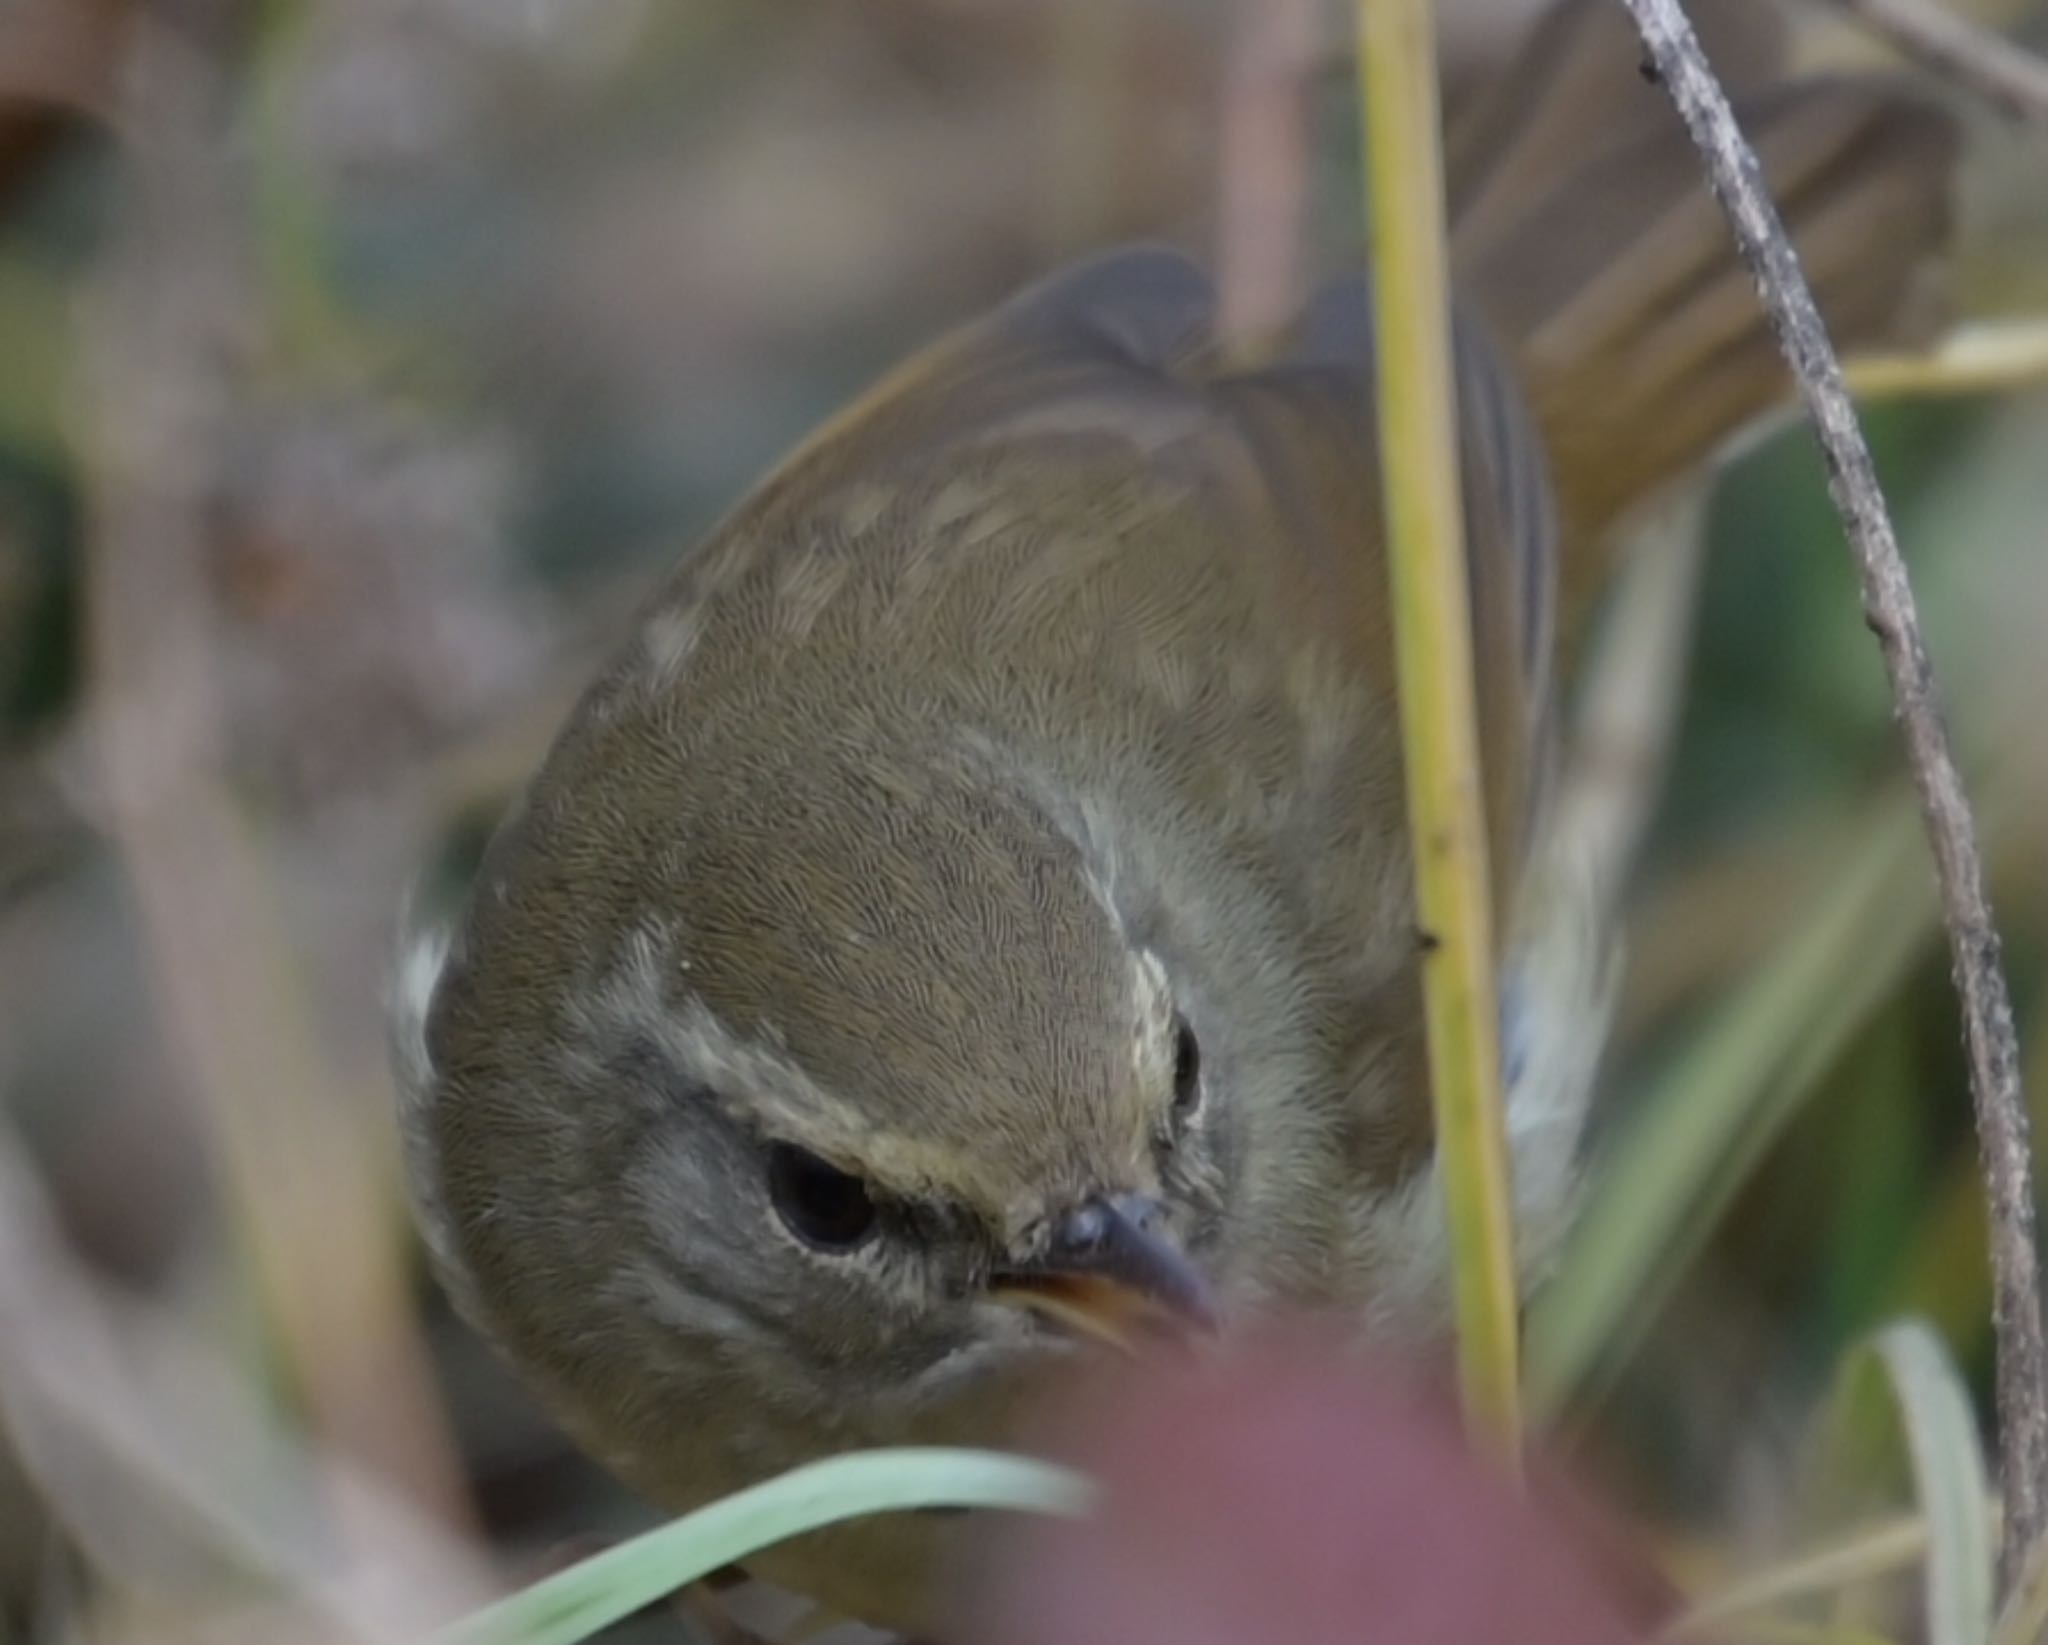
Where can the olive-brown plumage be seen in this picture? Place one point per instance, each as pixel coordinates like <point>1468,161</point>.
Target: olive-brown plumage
<point>980,880</point>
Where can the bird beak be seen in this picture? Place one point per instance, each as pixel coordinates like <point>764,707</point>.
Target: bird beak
<point>1110,1271</point>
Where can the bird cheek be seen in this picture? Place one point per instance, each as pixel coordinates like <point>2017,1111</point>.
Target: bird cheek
<point>998,1362</point>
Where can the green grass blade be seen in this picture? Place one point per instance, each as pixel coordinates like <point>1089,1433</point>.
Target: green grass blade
<point>591,1595</point>
<point>1712,1114</point>
<point>1949,1474</point>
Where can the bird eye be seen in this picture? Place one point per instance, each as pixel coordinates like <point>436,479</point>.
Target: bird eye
<point>819,1203</point>
<point>1187,1067</point>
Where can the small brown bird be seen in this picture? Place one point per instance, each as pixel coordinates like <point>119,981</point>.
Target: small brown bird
<point>974,909</point>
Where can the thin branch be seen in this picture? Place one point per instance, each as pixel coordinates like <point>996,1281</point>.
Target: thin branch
<point>1984,64</point>
<point>1439,715</point>
<point>2024,1621</point>
<point>1674,54</point>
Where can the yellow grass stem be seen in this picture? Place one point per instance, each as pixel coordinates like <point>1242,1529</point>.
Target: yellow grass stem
<point>1988,357</point>
<point>1439,715</point>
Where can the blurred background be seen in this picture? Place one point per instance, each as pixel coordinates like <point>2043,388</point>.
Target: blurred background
<point>361,361</point>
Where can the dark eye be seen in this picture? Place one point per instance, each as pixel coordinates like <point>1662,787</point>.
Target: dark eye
<point>1187,1067</point>
<point>818,1203</point>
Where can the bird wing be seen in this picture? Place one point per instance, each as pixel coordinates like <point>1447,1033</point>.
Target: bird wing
<point>1125,344</point>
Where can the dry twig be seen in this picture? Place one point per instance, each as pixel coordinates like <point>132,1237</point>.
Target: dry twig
<point>1676,58</point>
